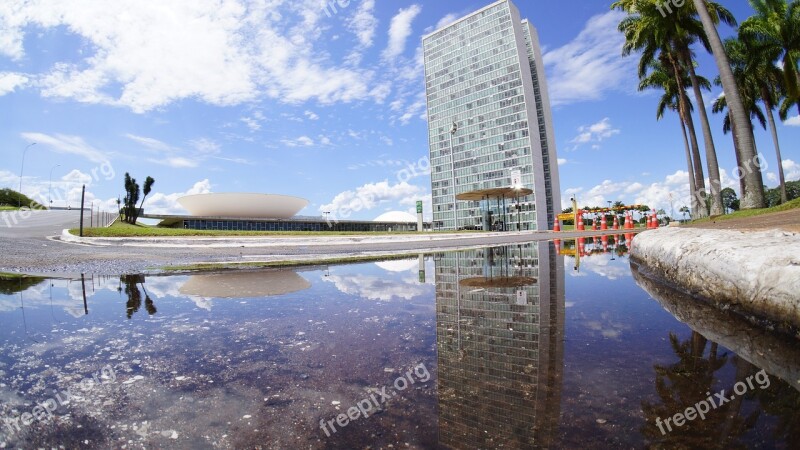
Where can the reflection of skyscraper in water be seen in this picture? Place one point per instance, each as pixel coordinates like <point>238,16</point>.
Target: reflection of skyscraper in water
<point>500,325</point>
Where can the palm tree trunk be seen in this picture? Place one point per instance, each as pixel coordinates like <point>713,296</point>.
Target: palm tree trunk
<point>765,97</point>
<point>683,103</point>
<point>711,151</point>
<point>736,152</point>
<point>753,195</point>
<point>692,188</point>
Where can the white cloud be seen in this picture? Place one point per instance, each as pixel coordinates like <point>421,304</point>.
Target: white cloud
<point>369,196</point>
<point>364,23</point>
<point>77,177</point>
<point>400,30</point>
<point>62,143</point>
<point>590,65</point>
<point>302,141</point>
<point>145,55</point>
<point>562,161</point>
<point>205,146</point>
<point>793,122</point>
<point>311,115</point>
<point>160,203</point>
<point>10,81</point>
<point>597,132</point>
<point>678,178</point>
<point>252,123</point>
<point>446,20</point>
<point>150,143</point>
<point>64,190</point>
<point>176,162</point>
<point>791,170</point>
<point>673,190</point>
<point>387,141</point>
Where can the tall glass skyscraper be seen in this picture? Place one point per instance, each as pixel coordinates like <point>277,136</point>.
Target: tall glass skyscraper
<point>489,121</point>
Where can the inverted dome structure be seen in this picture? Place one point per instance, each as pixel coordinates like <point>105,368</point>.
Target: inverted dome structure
<point>396,216</point>
<point>256,206</point>
<point>244,284</point>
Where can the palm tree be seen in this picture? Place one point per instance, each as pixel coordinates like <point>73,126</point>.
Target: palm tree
<point>661,77</point>
<point>148,186</point>
<point>753,186</point>
<point>648,30</point>
<point>776,25</point>
<point>759,80</point>
<point>687,30</point>
<point>684,210</point>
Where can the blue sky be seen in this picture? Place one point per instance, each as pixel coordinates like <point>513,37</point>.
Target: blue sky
<point>282,97</point>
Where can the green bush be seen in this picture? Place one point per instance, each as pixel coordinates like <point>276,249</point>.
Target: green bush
<point>9,197</point>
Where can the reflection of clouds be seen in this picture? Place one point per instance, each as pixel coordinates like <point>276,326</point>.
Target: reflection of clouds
<point>606,327</point>
<point>163,287</point>
<point>377,288</point>
<point>603,266</point>
<point>400,265</point>
<point>39,297</point>
<point>93,286</point>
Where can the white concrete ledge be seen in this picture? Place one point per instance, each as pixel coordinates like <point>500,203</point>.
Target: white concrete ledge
<point>755,272</point>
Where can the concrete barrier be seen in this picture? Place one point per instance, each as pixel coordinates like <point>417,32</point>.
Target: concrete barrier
<point>755,273</point>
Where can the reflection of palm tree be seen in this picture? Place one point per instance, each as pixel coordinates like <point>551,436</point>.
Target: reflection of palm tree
<point>782,401</point>
<point>135,296</point>
<point>685,383</point>
<point>149,306</point>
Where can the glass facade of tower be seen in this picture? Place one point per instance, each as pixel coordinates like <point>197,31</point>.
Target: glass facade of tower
<point>499,335</point>
<point>488,117</point>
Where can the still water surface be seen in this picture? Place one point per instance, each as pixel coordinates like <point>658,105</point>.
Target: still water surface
<point>506,347</point>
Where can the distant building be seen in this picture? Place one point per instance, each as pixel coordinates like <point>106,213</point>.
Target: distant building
<point>489,121</point>
<point>269,212</point>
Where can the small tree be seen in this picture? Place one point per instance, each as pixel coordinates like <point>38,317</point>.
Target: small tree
<point>730,200</point>
<point>132,194</point>
<point>148,186</point>
<point>685,210</point>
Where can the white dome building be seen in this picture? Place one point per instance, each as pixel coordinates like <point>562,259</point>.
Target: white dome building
<point>254,206</point>
<point>396,217</point>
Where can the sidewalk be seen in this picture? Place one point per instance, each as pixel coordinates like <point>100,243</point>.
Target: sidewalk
<point>427,239</point>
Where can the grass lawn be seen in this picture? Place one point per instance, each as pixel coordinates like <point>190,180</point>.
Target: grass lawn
<point>11,283</point>
<point>8,208</point>
<point>752,212</point>
<point>120,229</point>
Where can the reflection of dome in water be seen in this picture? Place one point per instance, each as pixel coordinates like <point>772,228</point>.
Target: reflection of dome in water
<point>244,284</point>
<point>396,216</point>
<point>402,265</point>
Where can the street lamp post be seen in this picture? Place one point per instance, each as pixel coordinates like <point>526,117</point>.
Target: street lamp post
<point>50,187</point>
<point>453,131</point>
<point>21,169</point>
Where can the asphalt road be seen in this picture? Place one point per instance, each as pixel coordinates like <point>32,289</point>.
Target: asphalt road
<point>31,246</point>
<point>36,224</point>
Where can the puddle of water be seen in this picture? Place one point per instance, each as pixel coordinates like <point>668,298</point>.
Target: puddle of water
<point>513,347</point>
